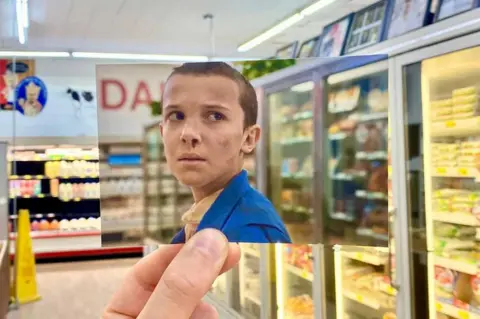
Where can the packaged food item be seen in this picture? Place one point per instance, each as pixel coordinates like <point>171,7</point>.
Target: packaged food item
<point>344,100</point>
<point>305,128</point>
<point>445,245</point>
<point>445,147</point>
<point>378,100</point>
<point>444,284</point>
<point>470,90</point>
<point>466,161</point>
<point>446,192</point>
<point>377,182</point>
<point>439,104</point>
<point>475,284</point>
<point>465,99</point>
<point>441,114</point>
<point>442,205</point>
<point>453,231</point>
<point>463,292</point>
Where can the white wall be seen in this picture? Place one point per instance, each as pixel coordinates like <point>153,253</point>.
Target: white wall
<point>65,121</point>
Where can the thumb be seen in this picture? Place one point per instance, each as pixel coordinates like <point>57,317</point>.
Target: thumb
<point>188,277</point>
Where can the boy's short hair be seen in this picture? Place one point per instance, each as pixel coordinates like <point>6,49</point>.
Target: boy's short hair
<point>248,97</point>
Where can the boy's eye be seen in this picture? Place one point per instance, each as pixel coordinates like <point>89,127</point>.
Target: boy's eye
<point>176,116</point>
<point>215,116</point>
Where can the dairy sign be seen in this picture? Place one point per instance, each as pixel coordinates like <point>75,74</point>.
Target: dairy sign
<point>125,93</point>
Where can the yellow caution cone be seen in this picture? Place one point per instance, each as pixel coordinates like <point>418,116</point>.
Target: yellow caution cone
<point>26,273</point>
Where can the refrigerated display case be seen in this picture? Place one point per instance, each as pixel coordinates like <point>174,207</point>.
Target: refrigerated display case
<point>290,158</point>
<point>442,190</point>
<point>365,276</point>
<point>165,199</point>
<point>295,277</point>
<point>356,152</point>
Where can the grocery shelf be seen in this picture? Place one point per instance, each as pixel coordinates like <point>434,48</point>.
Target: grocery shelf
<point>53,244</point>
<point>460,172</point>
<point>360,298</point>
<point>110,226</point>
<point>461,127</point>
<point>299,272</point>
<point>251,252</point>
<point>455,312</point>
<point>457,218</point>
<point>253,298</point>
<point>366,258</point>
<point>458,265</point>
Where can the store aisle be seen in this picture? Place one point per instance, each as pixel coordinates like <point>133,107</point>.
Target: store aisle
<point>74,290</point>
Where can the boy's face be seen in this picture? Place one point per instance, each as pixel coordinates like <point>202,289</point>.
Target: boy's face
<point>203,129</point>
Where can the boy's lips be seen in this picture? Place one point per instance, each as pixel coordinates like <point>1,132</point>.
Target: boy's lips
<point>191,158</point>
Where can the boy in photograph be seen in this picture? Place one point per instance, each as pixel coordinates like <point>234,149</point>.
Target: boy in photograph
<point>209,124</point>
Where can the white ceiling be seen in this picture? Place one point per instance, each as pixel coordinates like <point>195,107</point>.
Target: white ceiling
<point>163,26</point>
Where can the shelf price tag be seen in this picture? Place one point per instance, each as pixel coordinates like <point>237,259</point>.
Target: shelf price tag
<point>441,170</point>
<point>39,176</point>
<point>304,274</point>
<point>28,177</point>
<point>40,196</point>
<point>438,306</point>
<point>462,314</point>
<point>463,171</point>
<point>359,256</point>
<point>359,298</point>
<point>76,199</point>
<point>390,290</point>
<point>450,124</point>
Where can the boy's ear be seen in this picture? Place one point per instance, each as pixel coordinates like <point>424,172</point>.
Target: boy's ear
<point>251,137</point>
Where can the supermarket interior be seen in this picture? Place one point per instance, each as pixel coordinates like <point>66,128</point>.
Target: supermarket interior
<point>386,188</point>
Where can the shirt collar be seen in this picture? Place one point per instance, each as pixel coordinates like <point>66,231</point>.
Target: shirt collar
<point>220,210</point>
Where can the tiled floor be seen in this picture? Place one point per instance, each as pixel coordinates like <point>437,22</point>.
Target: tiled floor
<point>74,290</point>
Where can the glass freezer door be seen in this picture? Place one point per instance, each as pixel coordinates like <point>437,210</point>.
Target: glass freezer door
<point>290,181</point>
<point>442,117</point>
<point>356,161</point>
<point>290,158</point>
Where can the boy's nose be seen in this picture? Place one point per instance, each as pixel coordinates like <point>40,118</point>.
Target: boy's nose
<point>190,135</point>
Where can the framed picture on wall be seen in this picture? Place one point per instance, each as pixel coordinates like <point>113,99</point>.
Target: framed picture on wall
<point>406,16</point>
<point>367,27</point>
<point>450,8</point>
<point>288,51</point>
<point>11,74</point>
<point>333,38</point>
<point>307,49</point>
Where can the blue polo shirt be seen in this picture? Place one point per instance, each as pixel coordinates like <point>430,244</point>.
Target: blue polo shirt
<point>243,214</point>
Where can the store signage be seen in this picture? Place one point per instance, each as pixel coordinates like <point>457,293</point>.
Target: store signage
<point>116,94</point>
<point>124,95</point>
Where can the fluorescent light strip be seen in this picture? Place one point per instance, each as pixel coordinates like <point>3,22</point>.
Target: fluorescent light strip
<point>282,26</point>
<point>138,57</point>
<point>20,23</point>
<point>319,5</point>
<point>34,54</point>
<point>285,24</point>
<point>25,18</point>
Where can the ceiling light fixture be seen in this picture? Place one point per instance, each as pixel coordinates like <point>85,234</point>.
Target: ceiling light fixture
<point>20,15</point>
<point>25,19</point>
<point>283,25</point>
<point>34,54</point>
<point>140,57</point>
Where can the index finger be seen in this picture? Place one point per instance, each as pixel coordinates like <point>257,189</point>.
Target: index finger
<point>144,276</point>
<point>189,276</point>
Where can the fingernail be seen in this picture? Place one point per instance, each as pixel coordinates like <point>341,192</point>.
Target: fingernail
<point>210,241</point>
